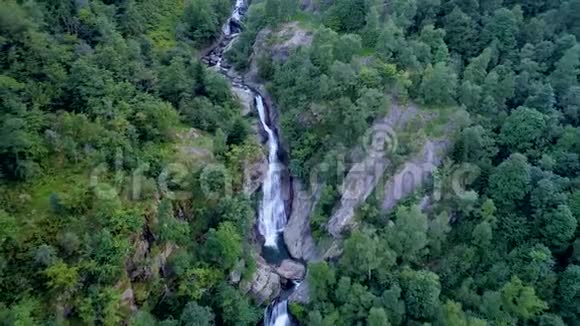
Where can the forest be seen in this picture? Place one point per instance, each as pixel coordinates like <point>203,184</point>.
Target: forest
<point>109,122</point>
<point>504,253</point>
<point>98,98</point>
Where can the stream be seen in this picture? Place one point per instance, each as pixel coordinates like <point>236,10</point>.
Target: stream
<point>272,215</point>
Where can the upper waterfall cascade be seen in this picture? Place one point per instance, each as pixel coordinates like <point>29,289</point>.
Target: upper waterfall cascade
<point>272,216</point>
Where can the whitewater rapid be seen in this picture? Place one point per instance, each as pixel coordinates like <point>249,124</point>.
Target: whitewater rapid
<point>277,314</point>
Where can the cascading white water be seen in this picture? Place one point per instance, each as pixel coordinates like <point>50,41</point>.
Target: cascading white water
<point>235,17</point>
<point>272,215</point>
<point>277,314</point>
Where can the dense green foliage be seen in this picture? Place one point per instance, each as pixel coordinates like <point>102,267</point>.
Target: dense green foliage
<point>504,252</point>
<point>113,209</point>
<point>102,192</point>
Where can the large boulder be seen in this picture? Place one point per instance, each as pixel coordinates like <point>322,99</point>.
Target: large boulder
<point>265,283</point>
<point>236,273</point>
<point>128,299</point>
<point>297,235</point>
<point>246,98</point>
<point>308,5</point>
<point>137,269</point>
<point>300,293</point>
<point>291,270</point>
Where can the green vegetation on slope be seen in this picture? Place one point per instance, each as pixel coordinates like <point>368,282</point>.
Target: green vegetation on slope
<point>112,205</point>
<point>106,192</point>
<point>503,251</point>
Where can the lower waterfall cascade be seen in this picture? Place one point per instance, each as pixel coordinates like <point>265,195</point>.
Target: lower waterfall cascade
<point>277,314</point>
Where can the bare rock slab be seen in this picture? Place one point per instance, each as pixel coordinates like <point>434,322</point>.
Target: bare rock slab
<point>297,234</point>
<point>265,283</point>
<point>291,270</point>
<point>300,294</point>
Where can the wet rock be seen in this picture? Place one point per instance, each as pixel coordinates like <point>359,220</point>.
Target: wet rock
<point>245,97</point>
<point>235,26</point>
<point>297,235</point>
<point>291,270</point>
<point>265,283</point>
<point>300,294</point>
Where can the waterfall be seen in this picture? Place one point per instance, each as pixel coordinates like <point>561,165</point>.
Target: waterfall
<point>235,18</point>
<point>277,314</point>
<point>272,215</point>
<point>237,15</point>
<point>272,212</point>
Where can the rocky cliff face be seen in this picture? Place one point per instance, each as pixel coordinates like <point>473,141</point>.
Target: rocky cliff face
<point>414,173</point>
<point>300,294</point>
<point>246,98</point>
<point>278,45</point>
<point>364,176</point>
<point>359,183</point>
<point>291,270</point>
<point>254,174</point>
<point>297,233</point>
<point>265,283</point>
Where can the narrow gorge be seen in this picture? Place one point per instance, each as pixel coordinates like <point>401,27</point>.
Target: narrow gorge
<point>275,205</point>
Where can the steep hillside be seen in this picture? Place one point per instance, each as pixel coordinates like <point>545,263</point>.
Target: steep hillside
<point>488,237</point>
<point>122,167</point>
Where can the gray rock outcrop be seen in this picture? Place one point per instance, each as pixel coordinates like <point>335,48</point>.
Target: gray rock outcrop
<point>301,293</point>
<point>359,183</point>
<point>297,235</point>
<point>128,299</point>
<point>414,173</point>
<point>365,176</point>
<point>265,283</point>
<point>236,273</point>
<point>292,35</point>
<point>291,270</point>
<point>245,97</point>
<point>254,174</point>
